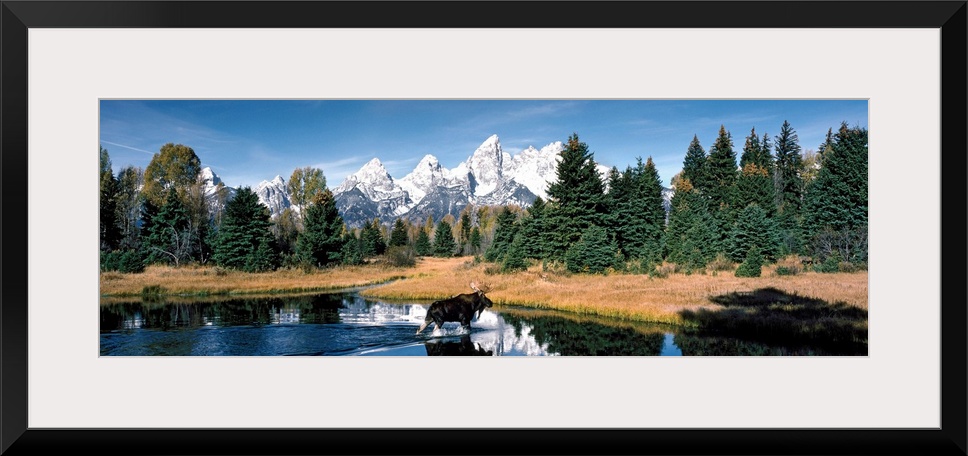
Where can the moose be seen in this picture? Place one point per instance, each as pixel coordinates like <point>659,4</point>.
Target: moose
<point>460,308</point>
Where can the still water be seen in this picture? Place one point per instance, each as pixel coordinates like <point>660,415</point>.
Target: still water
<point>339,324</point>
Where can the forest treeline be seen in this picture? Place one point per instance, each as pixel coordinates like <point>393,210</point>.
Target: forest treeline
<point>769,202</point>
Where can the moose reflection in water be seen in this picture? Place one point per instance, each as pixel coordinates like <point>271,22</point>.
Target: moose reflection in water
<point>463,347</point>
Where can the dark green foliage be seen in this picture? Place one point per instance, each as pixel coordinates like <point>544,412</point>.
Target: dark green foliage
<point>838,198</point>
<point>830,265</point>
<point>444,245</point>
<point>398,236</point>
<point>593,253</point>
<point>321,242</point>
<point>351,252</point>
<point>515,259</point>
<point>789,167</point>
<point>754,229</point>
<point>755,186</point>
<point>752,266</point>
<point>245,239</point>
<point>576,198</point>
<point>835,208</point>
<point>532,227</point>
<point>167,239</point>
<point>422,244</point>
<point>465,227</point>
<point>475,240</point>
<point>690,238</point>
<point>694,165</point>
<point>636,213</point>
<point>373,243</point>
<point>503,235</point>
<point>757,152</point>
<point>108,204</point>
<point>721,166</point>
<point>127,261</point>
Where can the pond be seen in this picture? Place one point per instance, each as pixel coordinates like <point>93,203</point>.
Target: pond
<point>346,324</point>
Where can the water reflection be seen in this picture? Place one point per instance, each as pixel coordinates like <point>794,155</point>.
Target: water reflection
<point>337,324</point>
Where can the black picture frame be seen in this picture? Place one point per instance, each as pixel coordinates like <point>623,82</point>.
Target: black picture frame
<point>18,16</point>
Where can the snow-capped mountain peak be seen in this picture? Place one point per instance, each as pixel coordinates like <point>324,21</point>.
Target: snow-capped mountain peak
<point>486,164</point>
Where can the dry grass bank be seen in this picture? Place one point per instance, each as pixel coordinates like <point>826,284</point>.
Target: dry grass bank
<point>209,280</point>
<point>629,297</point>
<point>632,297</point>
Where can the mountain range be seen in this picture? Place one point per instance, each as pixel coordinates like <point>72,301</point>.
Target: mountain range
<point>489,176</point>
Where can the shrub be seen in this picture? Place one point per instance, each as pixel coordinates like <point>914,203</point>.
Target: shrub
<point>786,271</point>
<point>828,266</point>
<point>401,256</point>
<point>752,266</point>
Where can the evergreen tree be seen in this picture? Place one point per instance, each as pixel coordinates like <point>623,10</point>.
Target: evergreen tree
<point>593,253</point>
<point>465,226</point>
<point>757,152</point>
<point>836,206</point>
<point>721,166</point>
<point>444,245</point>
<point>398,237</point>
<point>694,165</point>
<point>108,204</point>
<point>532,229</point>
<point>475,240</point>
<point>351,253</point>
<point>755,186</point>
<point>167,237</point>
<point>245,239</point>
<point>689,239</point>
<point>577,197</point>
<point>503,235</point>
<point>752,265</point>
<point>372,238</point>
<point>422,244</point>
<point>754,229</point>
<point>789,166</point>
<point>789,188</point>
<point>321,242</point>
<point>515,259</point>
<point>637,213</point>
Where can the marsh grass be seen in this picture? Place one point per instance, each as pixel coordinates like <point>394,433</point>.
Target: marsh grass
<point>622,296</point>
<point>213,281</point>
<point>633,297</point>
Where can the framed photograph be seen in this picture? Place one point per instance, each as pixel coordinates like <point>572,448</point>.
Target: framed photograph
<point>76,73</point>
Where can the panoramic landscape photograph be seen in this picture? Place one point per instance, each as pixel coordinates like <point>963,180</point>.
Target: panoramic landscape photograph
<point>547,227</point>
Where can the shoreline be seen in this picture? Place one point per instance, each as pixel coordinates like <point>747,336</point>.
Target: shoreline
<point>622,296</point>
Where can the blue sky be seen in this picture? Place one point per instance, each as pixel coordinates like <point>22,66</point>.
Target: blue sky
<point>248,141</point>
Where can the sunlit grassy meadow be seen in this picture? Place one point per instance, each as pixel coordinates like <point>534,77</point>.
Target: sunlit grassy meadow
<point>625,296</point>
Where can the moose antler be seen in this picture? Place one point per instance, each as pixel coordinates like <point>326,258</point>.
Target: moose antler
<point>482,288</point>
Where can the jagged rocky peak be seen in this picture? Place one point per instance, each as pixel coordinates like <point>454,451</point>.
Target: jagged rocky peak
<point>486,164</point>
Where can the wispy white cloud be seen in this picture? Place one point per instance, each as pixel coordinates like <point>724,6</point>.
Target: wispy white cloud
<point>127,147</point>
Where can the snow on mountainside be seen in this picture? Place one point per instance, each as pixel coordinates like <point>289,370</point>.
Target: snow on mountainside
<point>489,176</point>
<point>273,194</point>
<point>534,168</point>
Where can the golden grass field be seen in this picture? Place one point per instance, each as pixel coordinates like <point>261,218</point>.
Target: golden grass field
<point>624,296</point>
